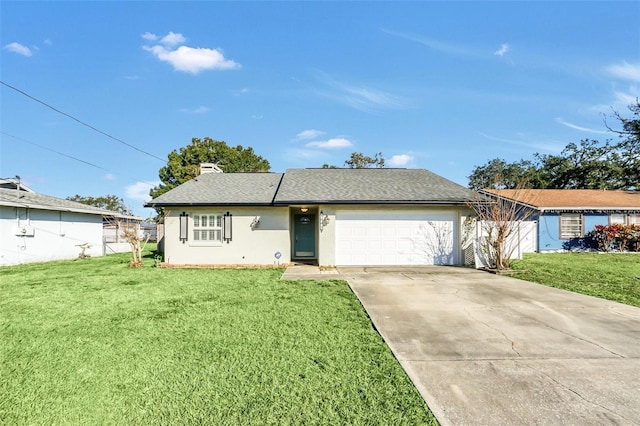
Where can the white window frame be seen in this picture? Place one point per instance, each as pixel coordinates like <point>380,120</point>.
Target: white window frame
<point>568,230</point>
<point>212,230</point>
<point>625,218</point>
<point>617,218</point>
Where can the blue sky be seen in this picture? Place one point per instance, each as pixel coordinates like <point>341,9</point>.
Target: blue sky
<point>444,86</point>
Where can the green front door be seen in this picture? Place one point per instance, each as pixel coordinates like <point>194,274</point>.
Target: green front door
<point>304,234</point>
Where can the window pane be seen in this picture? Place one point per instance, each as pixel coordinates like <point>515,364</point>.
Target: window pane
<point>207,227</point>
<point>570,226</point>
<point>616,218</point>
<point>634,219</point>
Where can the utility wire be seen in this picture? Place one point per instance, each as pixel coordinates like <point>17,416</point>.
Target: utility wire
<point>68,156</point>
<point>54,151</point>
<point>81,122</point>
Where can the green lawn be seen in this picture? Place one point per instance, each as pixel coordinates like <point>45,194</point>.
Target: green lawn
<point>94,342</point>
<point>613,276</point>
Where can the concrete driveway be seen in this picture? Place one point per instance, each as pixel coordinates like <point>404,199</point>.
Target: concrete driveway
<point>485,349</point>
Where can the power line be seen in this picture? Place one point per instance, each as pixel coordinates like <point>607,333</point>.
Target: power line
<point>68,156</point>
<point>54,151</point>
<point>80,121</point>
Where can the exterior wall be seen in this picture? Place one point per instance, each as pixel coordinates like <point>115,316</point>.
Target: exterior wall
<point>549,232</point>
<point>247,247</point>
<point>50,235</point>
<point>593,219</point>
<point>327,237</point>
<point>549,229</point>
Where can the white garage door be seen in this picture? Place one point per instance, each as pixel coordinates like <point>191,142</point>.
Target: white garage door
<point>396,238</point>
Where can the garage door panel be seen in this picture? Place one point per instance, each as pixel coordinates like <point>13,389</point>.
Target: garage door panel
<point>395,238</point>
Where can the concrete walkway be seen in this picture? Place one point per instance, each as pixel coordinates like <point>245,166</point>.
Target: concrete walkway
<point>492,350</point>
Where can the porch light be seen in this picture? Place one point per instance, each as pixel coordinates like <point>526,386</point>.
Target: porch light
<point>324,220</point>
<point>184,223</point>
<point>304,209</point>
<point>254,223</point>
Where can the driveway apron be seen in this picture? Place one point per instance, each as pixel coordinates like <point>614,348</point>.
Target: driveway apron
<point>485,349</point>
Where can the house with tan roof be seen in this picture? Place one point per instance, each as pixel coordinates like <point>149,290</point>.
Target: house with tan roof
<point>320,216</point>
<point>565,216</point>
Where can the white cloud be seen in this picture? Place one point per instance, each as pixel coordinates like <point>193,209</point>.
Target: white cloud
<point>173,39</point>
<point>109,176</point>
<point>193,60</point>
<point>360,97</point>
<point>399,160</point>
<point>448,48</point>
<point>333,143</point>
<point>139,191</point>
<point>149,36</point>
<point>576,127</point>
<point>19,49</point>
<point>503,50</point>
<point>199,110</point>
<point>47,42</point>
<point>241,91</point>
<point>551,146</point>
<point>309,134</point>
<point>625,71</point>
<point>132,77</point>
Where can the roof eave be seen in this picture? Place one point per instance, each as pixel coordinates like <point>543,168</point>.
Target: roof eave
<point>205,204</point>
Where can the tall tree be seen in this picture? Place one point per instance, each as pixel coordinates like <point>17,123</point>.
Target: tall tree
<point>498,174</point>
<point>182,165</point>
<point>587,165</point>
<point>360,161</point>
<point>629,146</point>
<point>107,202</point>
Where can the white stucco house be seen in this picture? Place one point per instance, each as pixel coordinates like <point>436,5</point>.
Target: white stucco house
<point>319,216</point>
<point>38,228</point>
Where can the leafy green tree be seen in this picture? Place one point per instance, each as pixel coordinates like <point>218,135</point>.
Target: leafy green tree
<point>498,174</point>
<point>107,202</point>
<point>587,165</point>
<point>629,147</point>
<point>360,161</point>
<point>182,165</point>
<point>590,165</point>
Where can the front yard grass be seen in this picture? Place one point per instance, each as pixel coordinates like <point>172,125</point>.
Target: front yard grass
<point>94,342</point>
<point>612,276</point>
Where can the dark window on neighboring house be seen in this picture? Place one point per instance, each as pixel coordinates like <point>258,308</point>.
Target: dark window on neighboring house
<point>571,226</point>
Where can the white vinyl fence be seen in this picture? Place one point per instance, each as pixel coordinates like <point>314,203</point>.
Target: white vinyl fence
<point>523,239</point>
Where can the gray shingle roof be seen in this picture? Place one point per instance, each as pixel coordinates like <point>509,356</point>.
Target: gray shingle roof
<point>306,186</point>
<point>414,186</point>
<point>33,200</point>
<point>222,188</point>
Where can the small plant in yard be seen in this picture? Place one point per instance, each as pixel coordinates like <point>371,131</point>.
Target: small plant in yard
<point>83,250</point>
<point>500,219</point>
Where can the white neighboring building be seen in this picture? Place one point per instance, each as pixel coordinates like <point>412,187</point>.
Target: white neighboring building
<point>40,228</point>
